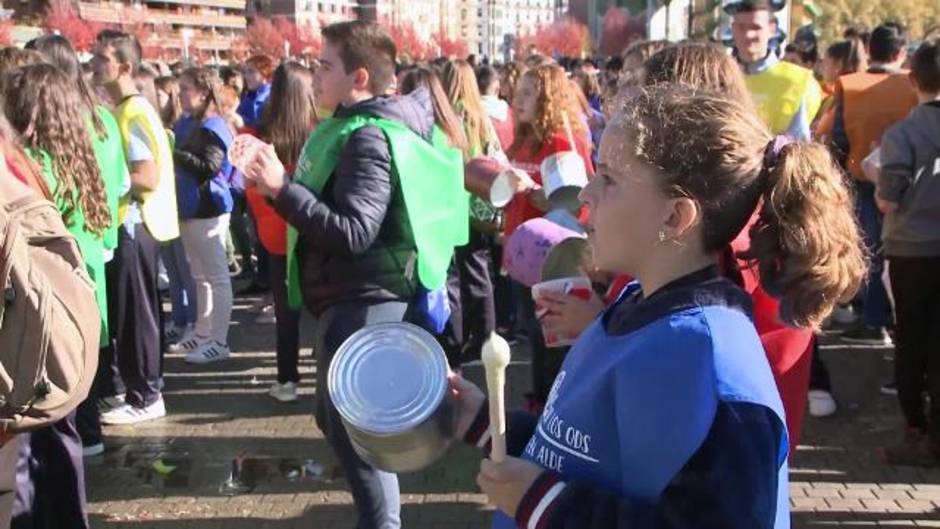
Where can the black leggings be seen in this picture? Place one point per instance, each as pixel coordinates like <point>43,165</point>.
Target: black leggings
<point>916,286</point>
<point>288,323</point>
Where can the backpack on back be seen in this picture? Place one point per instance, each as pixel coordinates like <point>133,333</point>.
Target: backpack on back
<point>49,321</point>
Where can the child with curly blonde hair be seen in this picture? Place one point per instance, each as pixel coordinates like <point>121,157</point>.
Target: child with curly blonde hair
<point>549,121</point>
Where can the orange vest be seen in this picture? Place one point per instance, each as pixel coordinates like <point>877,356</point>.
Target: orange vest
<point>872,102</point>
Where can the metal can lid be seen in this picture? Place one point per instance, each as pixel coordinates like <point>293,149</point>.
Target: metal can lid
<point>388,378</point>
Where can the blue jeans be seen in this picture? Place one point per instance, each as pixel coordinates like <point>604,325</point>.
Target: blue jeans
<point>374,491</point>
<point>182,286</point>
<point>874,297</point>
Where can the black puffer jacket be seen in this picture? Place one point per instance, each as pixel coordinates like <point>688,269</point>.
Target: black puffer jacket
<point>355,240</point>
<point>201,155</point>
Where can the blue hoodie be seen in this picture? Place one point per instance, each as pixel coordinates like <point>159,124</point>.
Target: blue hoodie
<point>206,192</point>
<point>665,414</point>
<point>252,104</point>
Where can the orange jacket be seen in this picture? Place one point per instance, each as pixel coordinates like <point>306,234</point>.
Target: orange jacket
<point>872,102</point>
<point>271,227</point>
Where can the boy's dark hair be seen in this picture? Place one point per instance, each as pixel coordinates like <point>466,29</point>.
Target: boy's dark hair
<point>486,78</point>
<point>126,47</point>
<point>859,32</point>
<point>614,64</point>
<point>887,40</point>
<point>227,73</point>
<point>438,64</point>
<point>925,66</point>
<point>807,51</point>
<point>851,53</point>
<point>749,6</point>
<point>365,45</point>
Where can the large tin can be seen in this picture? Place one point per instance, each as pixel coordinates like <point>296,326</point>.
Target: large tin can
<point>389,383</point>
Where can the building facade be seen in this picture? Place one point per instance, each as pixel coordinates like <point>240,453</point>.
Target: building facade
<point>502,21</point>
<point>423,15</point>
<point>311,13</point>
<point>460,19</point>
<point>206,28</point>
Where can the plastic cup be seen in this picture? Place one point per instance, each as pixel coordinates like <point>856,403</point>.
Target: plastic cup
<point>579,287</point>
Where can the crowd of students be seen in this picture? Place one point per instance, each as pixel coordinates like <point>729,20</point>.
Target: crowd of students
<point>733,202</point>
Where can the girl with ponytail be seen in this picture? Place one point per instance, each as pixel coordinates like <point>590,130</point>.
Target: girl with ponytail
<point>665,412</point>
<point>205,203</point>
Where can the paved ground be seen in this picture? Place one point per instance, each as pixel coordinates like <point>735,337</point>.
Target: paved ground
<point>228,456</point>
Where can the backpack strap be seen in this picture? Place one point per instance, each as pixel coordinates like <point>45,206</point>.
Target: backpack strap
<point>25,170</point>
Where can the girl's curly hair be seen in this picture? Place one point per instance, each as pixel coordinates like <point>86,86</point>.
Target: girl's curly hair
<point>44,106</point>
<point>556,102</point>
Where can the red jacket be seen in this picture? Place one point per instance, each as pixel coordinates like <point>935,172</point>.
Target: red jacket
<point>272,229</point>
<point>788,350</point>
<point>521,209</point>
<point>505,130</point>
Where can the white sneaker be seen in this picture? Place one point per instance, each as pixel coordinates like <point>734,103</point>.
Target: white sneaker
<point>286,392</point>
<point>186,345</point>
<point>128,414</point>
<point>111,403</point>
<point>821,403</point>
<point>93,450</point>
<point>211,351</point>
<point>174,334</point>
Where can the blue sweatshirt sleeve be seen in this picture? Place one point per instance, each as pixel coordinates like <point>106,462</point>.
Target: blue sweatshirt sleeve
<point>731,482</point>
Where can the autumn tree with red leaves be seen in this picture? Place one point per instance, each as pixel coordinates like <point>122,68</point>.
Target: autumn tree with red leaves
<point>565,36</point>
<point>619,30</point>
<point>60,17</point>
<point>268,36</point>
<point>263,38</point>
<point>409,44</point>
<point>452,48</point>
<point>301,39</point>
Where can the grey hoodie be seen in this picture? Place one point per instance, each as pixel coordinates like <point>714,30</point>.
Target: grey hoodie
<point>910,177</point>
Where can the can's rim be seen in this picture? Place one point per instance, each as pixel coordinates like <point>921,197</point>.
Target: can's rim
<point>388,378</point>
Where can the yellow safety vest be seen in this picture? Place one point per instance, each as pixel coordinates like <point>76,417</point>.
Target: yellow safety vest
<point>779,91</point>
<point>158,207</point>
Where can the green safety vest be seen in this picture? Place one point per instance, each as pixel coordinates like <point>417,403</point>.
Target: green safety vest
<point>431,179</point>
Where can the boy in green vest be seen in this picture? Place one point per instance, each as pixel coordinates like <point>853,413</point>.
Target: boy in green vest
<point>376,207</point>
<point>148,217</point>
